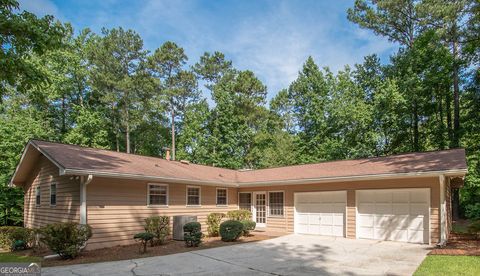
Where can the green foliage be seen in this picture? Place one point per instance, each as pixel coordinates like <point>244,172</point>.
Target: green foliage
<point>15,237</point>
<point>213,223</point>
<point>159,227</point>
<point>66,238</point>
<point>231,230</point>
<point>239,215</point>
<point>248,225</point>
<point>143,238</point>
<point>192,234</point>
<point>473,211</point>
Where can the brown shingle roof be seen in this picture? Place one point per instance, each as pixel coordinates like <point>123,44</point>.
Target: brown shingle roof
<point>71,157</point>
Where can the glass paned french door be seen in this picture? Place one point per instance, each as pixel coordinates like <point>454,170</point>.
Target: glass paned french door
<point>260,210</point>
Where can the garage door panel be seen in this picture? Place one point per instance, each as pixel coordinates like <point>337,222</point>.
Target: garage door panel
<point>399,215</point>
<point>322,212</point>
<point>400,209</point>
<point>400,197</point>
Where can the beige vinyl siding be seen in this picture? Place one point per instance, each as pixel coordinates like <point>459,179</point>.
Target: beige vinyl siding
<point>421,182</point>
<point>68,194</point>
<point>117,208</point>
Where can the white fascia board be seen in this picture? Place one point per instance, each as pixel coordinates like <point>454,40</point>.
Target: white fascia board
<point>146,177</point>
<point>265,183</point>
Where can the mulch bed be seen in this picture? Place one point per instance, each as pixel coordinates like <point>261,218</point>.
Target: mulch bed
<point>459,245</point>
<point>128,252</point>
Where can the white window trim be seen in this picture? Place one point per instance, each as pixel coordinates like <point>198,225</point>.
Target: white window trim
<point>226,195</point>
<point>199,196</point>
<point>148,195</point>
<point>268,204</point>
<point>56,193</point>
<point>251,199</point>
<point>39,194</point>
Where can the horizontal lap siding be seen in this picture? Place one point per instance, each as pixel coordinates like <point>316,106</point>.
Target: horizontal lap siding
<point>117,208</point>
<point>421,182</point>
<point>351,215</point>
<point>68,195</point>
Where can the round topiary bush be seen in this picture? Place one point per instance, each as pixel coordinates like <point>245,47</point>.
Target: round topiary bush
<point>248,225</point>
<point>192,233</point>
<point>231,230</point>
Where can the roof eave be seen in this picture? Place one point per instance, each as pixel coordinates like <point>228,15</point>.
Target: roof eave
<point>457,172</point>
<point>147,177</point>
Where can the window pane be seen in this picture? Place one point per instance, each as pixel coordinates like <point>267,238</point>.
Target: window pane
<point>276,203</point>
<point>37,196</point>
<point>157,194</point>
<point>245,201</point>
<point>53,194</point>
<point>221,196</point>
<point>193,196</point>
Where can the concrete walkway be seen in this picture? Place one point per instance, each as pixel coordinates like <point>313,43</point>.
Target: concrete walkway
<point>287,255</point>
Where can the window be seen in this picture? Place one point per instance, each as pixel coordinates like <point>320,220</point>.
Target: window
<point>245,201</point>
<point>53,194</point>
<point>157,194</point>
<point>222,196</point>
<point>275,200</point>
<point>193,196</point>
<point>37,196</point>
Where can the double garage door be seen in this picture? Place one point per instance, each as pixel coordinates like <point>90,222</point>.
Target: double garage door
<point>398,215</point>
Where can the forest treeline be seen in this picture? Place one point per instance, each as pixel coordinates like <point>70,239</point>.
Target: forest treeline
<point>105,90</point>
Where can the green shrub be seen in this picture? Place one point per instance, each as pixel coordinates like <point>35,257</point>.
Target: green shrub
<point>192,233</point>
<point>213,222</point>
<point>159,227</point>
<point>239,215</point>
<point>248,225</point>
<point>474,228</point>
<point>66,238</point>
<point>473,211</point>
<point>16,238</point>
<point>143,238</point>
<point>231,230</point>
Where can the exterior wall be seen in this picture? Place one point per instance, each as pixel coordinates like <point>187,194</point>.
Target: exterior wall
<point>68,196</point>
<point>286,223</point>
<point>116,208</point>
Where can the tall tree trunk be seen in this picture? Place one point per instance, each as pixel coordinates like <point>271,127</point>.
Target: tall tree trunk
<point>416,146</point>
<point>173,134</point>
<point>64,116</point>
<point>456,98</point>
<point>127,130</point>
<point>448,107</point>
<point>440,121</point>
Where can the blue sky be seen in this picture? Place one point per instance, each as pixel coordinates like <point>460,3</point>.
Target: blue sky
<point>271,38</point>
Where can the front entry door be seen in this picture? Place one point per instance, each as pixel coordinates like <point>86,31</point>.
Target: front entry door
<point>259,208</point>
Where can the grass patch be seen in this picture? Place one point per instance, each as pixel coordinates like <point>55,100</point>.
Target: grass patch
<point>13,258</point>
<point>449,265</point>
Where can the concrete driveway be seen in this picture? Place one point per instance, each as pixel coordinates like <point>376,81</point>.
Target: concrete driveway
<point>287,255</point>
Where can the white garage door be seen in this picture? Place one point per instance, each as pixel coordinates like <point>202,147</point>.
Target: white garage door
<point>320,213</point>
<point>397,215</point>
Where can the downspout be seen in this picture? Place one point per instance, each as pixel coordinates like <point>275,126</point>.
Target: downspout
<point>443,212</point>
<point>83,201</point>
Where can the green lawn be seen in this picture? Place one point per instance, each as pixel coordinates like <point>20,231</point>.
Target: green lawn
<point>13,258</point>
<point>449,265</point>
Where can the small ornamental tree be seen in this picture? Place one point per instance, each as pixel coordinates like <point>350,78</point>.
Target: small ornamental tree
<point>159,227</point>
<point>192,234</point>
<point>143,238</point>
<point>213,222</point>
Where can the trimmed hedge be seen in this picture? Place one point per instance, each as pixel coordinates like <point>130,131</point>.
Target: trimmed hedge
<point>231,230</point>
<point>66,238</point>
<point>192,233</point>
<point>239,215</point>
<point>159,227</point>
<point>213,222</point>
<point>248,225</point>
<point>16,238</point>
